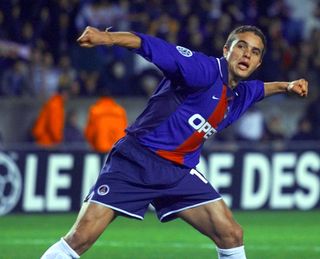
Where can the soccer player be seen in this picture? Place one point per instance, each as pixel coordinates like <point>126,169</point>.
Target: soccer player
<point>155,162</point>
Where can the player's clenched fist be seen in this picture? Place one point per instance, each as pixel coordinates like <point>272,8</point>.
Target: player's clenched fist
<point>92,37</point>
<point>299,87</point>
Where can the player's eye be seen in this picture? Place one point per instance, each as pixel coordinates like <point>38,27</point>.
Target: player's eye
<point>256,52</point>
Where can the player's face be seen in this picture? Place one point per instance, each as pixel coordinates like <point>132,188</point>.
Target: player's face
<point>244,55</point>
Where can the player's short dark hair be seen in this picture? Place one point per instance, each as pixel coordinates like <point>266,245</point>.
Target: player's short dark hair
<point>247,28</point>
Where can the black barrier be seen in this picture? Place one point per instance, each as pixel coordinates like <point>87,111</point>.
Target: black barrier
<point>57,181</point>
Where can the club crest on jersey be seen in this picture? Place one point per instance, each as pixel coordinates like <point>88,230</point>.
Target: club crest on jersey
<point>201,125</point>
<point>103,189</point>
<point>184,51</point>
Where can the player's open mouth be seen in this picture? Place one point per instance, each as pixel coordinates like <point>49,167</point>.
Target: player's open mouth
<point>243,65</point>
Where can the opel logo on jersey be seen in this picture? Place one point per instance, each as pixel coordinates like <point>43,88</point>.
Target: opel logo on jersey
<point>201,125</point>
<point>184,51</point>
<point>103,189</point>
<point>10,184</point>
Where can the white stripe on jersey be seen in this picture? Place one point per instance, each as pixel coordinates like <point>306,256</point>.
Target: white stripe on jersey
<point>219,67</point>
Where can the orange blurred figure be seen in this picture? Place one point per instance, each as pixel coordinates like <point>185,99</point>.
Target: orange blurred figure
<point>106,124</point>
<point>48,128</point>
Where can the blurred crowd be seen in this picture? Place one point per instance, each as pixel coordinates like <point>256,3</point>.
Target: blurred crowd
<point>39,53</point>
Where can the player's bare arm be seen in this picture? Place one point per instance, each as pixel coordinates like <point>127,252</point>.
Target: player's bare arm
<point>92,37</point>
<point>299,87</point>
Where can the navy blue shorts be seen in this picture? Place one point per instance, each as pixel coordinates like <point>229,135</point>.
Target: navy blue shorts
<point>134,177</point>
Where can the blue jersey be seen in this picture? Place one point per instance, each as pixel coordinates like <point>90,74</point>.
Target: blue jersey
<point>191,103</point>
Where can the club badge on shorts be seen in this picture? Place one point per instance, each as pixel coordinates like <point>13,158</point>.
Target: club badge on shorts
<point>103,189</point>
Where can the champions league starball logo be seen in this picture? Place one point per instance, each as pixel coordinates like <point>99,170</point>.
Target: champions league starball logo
<point>184,51</point>
<point>10,184</point>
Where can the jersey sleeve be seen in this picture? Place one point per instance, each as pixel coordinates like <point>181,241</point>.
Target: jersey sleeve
<point>178,63</point>
<point>255,91</point>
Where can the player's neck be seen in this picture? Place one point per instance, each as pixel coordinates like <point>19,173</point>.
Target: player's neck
<point>233,80</point>
<point>233,83</point>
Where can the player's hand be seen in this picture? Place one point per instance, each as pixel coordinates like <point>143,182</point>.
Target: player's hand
<point>92,37</point>
<point>300,87</point>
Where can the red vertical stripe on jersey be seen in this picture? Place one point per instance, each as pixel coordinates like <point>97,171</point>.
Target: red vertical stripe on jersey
<point>196,139</point>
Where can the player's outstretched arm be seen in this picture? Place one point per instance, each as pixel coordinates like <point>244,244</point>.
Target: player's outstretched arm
<point>92,37</point>
<point>299,87</point>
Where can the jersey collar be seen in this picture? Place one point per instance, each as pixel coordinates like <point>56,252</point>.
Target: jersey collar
<point>224,70</point>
